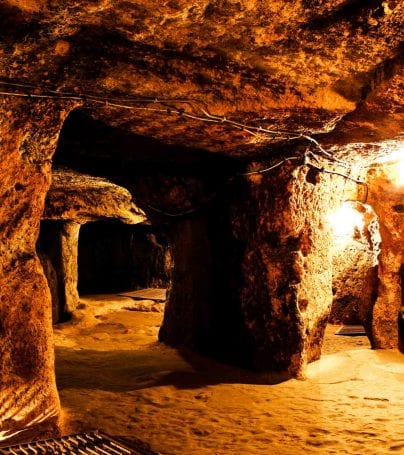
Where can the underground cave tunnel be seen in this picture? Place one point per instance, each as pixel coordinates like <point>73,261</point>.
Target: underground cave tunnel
<point>229,134</point>
<point>229,259</point>
<point>87,145</point>
<point>93,240</point>
<point>355,251</point>
<point>114,257</point>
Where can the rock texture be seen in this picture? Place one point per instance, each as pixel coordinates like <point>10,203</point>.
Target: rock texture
<point>299,65</point>
<point>82,198</point>
<point>177,99</point>
<point>258,274</point>
<point>57,249</point>
<point>389,296</point>
<point>354,267</point>
<point>29,401</point>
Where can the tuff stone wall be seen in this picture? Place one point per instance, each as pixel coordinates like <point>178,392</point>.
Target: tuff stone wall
<point>389,294</point>
<point>58,249</point>
<point>296,65</point>
<point>29,401</point>
<point>252,282</point>
<point>81,198</point>
<point>354,267</point>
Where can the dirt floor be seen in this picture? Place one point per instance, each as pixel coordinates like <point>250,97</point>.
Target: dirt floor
<point>113,375</point>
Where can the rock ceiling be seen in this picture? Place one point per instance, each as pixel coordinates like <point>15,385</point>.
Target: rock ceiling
<point>213,74</point>
<point>83,198</point>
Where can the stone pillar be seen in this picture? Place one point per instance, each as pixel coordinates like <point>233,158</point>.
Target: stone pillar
<point>387,199</point>
<point>69,247</point>
<point>384,334</point>
<point>58,246</point>
<point>252,281</point>
<point>29,404</point>
<point>187,317</point>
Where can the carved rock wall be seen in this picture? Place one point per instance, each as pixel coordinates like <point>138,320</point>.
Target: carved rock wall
<point>28,135</point>
<point>252,279</point>
<point>57,248</point>
<point>355,263</point>
<point>81,198</point>
<point>389,295</point>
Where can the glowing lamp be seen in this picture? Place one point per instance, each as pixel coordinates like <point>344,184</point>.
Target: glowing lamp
<point>344,220</point>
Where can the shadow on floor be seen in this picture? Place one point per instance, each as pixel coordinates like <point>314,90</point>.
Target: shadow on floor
<point>124,370</point>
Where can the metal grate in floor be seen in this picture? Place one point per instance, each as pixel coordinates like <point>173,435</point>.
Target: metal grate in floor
<point>351,330</point>
<point>94,443</point>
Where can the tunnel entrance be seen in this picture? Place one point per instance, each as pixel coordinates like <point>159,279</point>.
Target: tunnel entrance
<point>114,257</point>
<point>94,237</point>
<point>355,251</point>
<point>110,258</point>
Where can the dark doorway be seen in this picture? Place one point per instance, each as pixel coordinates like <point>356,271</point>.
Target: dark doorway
<point>115,257</point>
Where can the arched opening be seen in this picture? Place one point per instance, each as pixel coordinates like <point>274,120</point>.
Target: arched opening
<point>355,256</point>
<point>94,239</point>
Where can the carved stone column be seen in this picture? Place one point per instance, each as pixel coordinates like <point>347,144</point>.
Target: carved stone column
<point>58,248</point>
<point>29,403</point>
<point>387,200</point>
<point>252,283</point>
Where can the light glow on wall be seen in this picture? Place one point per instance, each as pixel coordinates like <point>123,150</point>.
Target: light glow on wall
<point>344,221</point>
<point>396,168</point>
<point>394,164</point>
<point>400,172</point>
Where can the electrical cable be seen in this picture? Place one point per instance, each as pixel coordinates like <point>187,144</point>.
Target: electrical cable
<point>170,106</point>
<point>258,171</point>
<point>359,182</point>
<point>263,171</point>
<point>336,173</point>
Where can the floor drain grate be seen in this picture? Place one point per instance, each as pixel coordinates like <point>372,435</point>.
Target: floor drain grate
<point>351,330</point>
<point>83,443</point>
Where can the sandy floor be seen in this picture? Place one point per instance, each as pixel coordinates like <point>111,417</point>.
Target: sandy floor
<point>113,375</point>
